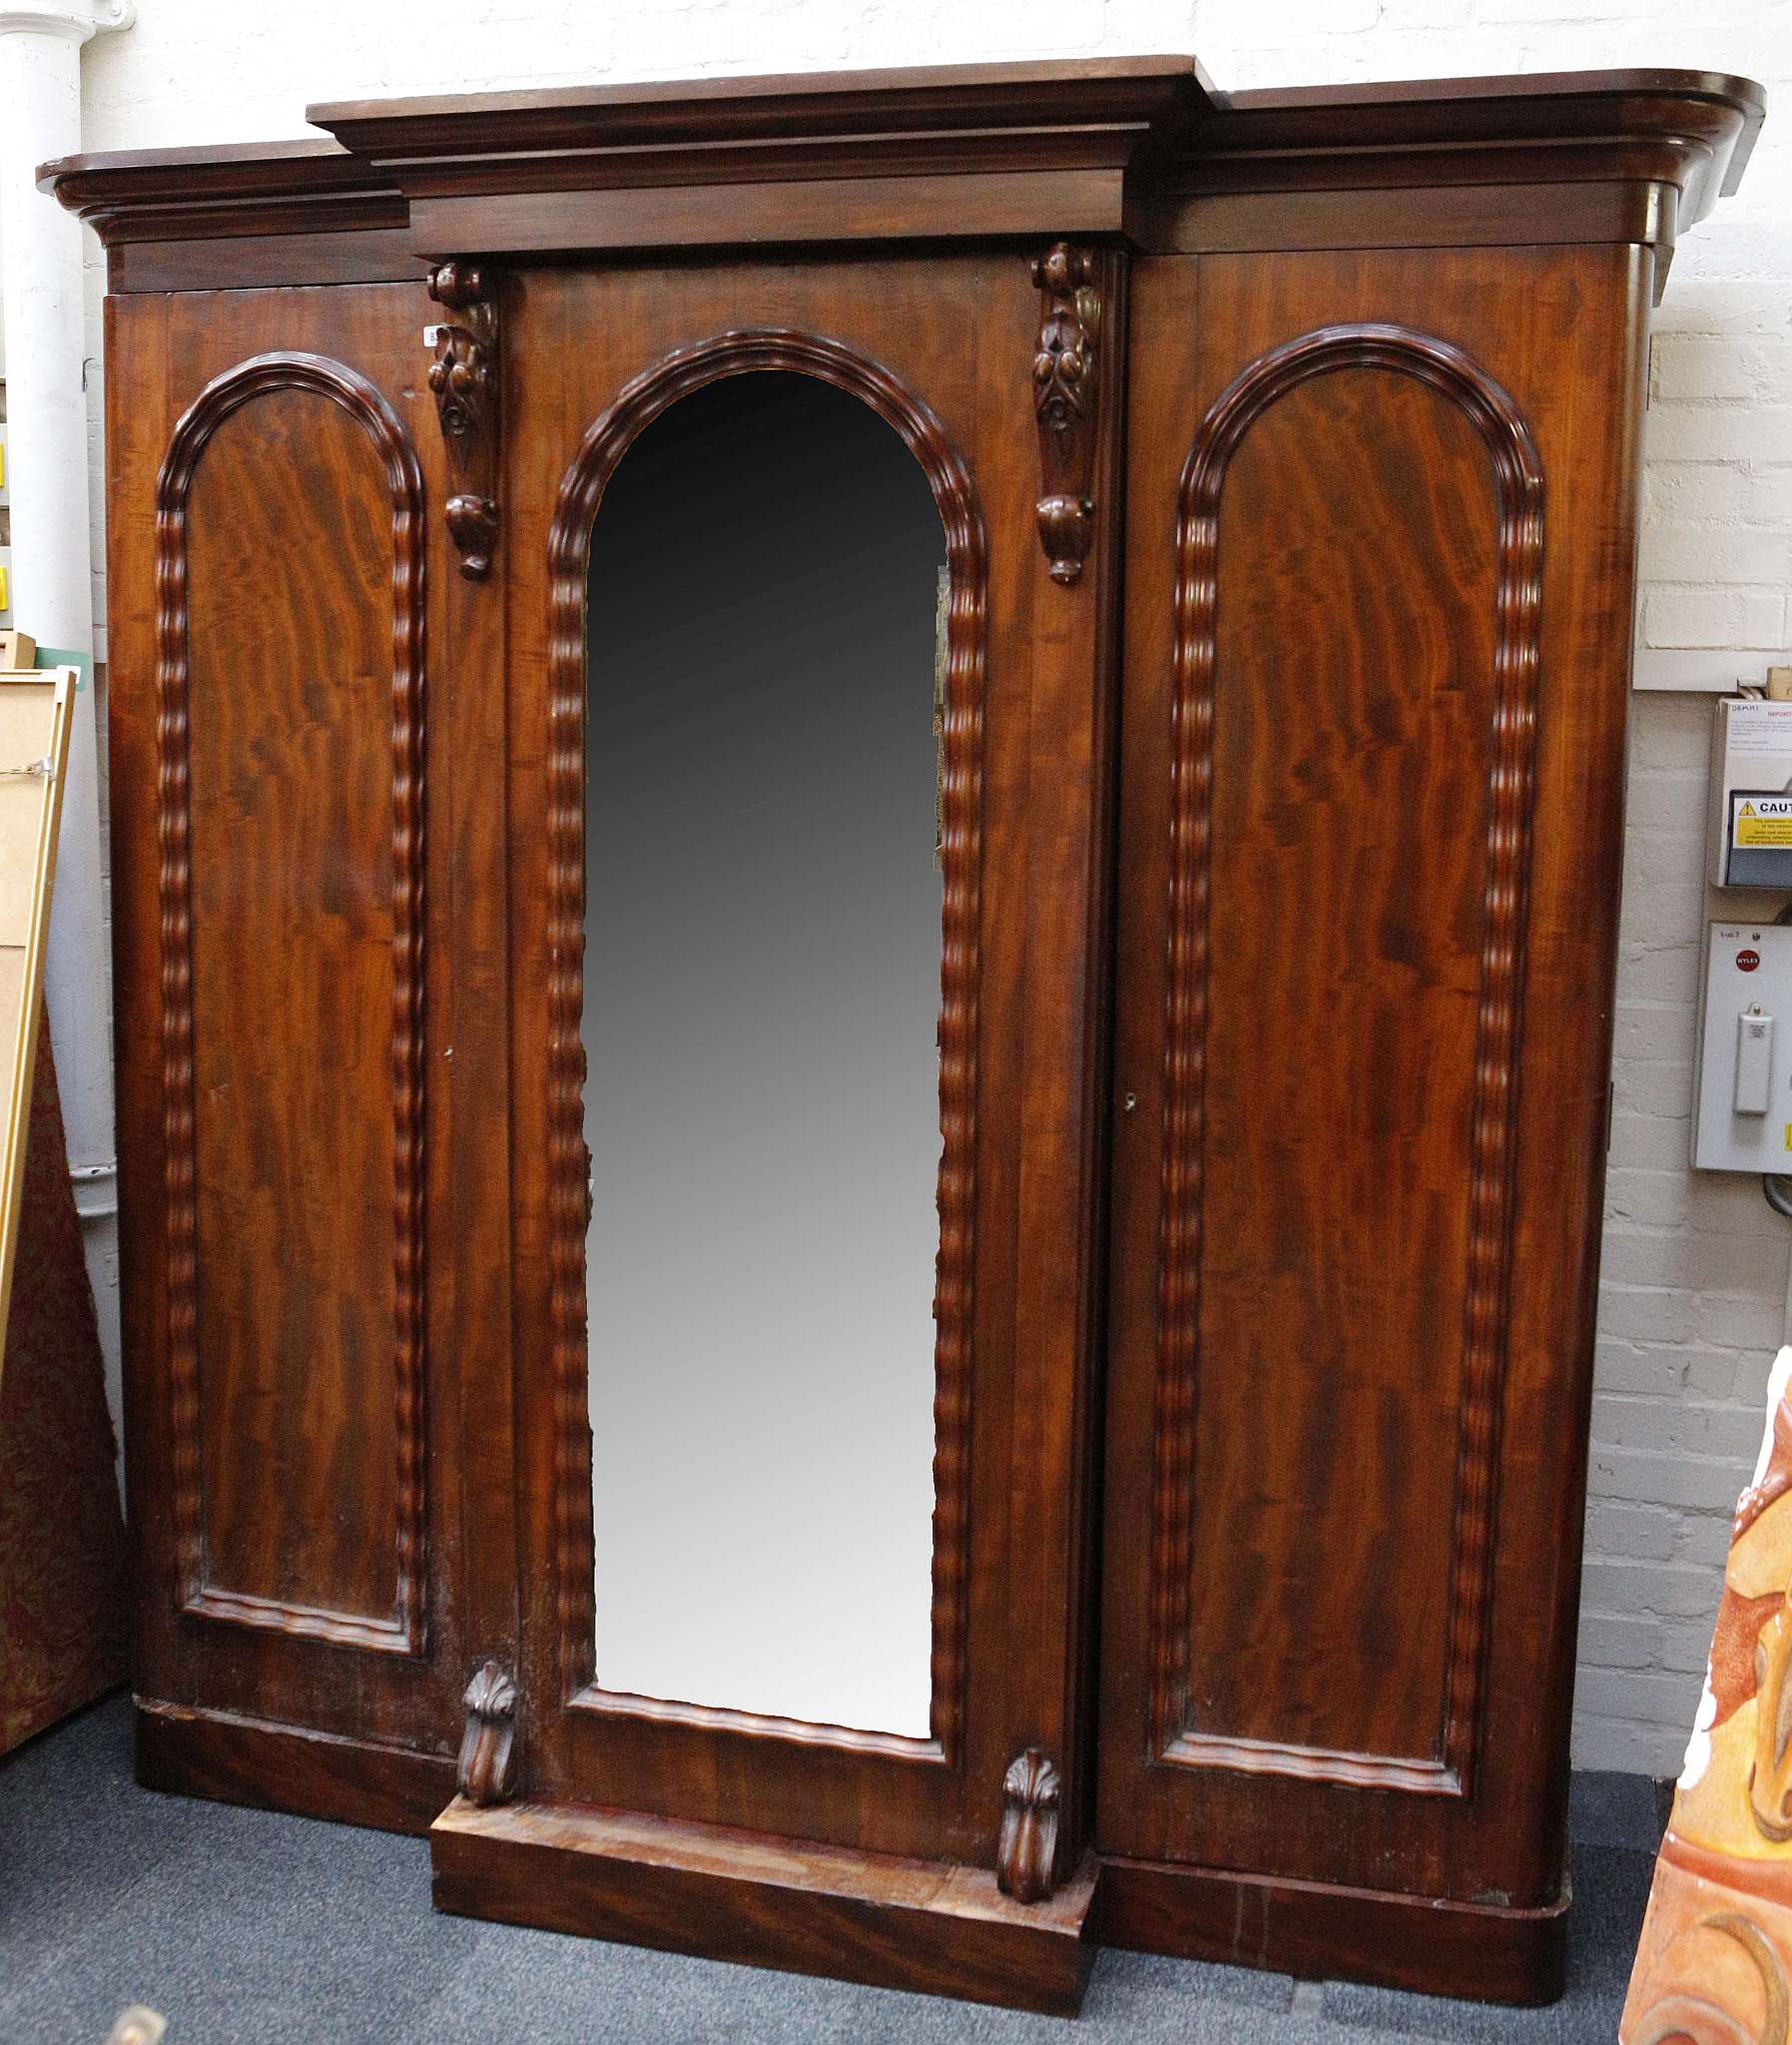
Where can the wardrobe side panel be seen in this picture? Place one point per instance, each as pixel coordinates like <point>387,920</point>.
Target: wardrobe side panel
<point>1371,843</point>
<point>137,423</point>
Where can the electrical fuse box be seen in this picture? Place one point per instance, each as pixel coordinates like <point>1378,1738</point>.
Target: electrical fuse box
<point>1751,794</point>
<point>1742,1105</point>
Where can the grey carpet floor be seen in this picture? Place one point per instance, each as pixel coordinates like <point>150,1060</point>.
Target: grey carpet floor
<point>242,1927</point>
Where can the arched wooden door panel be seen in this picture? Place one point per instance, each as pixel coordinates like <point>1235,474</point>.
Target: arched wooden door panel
<point>285,796</point>
<point>1348,1187</point>
<point>292,897</point>
<point>1002,715</point>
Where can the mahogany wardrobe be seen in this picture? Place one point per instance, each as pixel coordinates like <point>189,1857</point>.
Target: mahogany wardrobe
<point>865,842</point>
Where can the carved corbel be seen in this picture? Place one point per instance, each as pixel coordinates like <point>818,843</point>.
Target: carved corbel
<point>1028,1846</point>
<point>1066,395</point>
<point>487,1760</point>
<point>464,379</point>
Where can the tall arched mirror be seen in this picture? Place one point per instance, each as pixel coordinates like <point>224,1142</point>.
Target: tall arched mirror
<point>761,990</point>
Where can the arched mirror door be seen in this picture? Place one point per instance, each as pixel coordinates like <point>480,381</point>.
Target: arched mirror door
<point>806,819</point>
<point>766,664</point>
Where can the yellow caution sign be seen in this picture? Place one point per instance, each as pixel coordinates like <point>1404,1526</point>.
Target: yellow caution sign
<point>1763,822</point>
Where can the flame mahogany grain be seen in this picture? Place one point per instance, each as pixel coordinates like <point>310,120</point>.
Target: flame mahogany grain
<point>1357,1206</point>
<point>303,1469</point>
<point>265,381</point>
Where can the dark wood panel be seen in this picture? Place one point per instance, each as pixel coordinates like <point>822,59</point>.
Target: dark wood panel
<point>241,262</point>
<point>1319,1932</point>
<point>1351,734</point>
<point>1440,216</point>
<point>1215,668</point>
<point>762,1903</point>
<point>442,1196</point>
<point>815,209</point>
<point>291,899</point>
<point>243,1760</point>
<point>1441,1370</point>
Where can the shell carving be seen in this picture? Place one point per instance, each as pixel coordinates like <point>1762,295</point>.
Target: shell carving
<point>487,1746</point>
<point>1028,1846</point>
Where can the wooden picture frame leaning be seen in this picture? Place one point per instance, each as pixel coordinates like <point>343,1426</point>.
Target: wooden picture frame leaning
<point>35,710</point>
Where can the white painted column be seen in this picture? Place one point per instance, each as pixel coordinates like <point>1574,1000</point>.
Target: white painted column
<point>41,303</point>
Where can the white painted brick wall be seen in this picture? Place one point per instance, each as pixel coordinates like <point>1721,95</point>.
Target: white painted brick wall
<point>1695,1266</point>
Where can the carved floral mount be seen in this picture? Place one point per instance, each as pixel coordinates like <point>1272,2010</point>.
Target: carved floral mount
<point>464,379</point>
<point>1027,1847</point>
<point>1066,394</point>
<point>487,1746</point>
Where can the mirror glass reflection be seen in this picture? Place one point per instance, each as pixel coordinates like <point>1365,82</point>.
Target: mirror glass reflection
<point>762,988</point>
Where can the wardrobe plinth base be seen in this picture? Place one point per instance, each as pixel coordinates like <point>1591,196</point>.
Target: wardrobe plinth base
<point>761,1901</point>
<point>283,1767</point>
<point>1487,1952</point>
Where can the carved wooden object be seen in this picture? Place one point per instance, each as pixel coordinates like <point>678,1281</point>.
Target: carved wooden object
<point>1067,399</point>
<point>464,379</point>
<point>487,1765</point>
<point>1714,1963</point>
<point>1026,1854</point>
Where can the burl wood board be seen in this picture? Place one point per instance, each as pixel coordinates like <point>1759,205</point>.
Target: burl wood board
<point>1715,1958</point>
